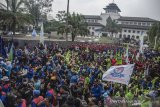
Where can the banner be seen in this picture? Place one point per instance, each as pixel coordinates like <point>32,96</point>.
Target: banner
<point>120,74</point>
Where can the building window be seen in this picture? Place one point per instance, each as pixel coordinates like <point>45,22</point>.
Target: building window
<point>125,30</point>
<point>96,21</point>
<point>138,32</point>
<point>126,23</point>
<point>131,23</point>
<point>144,24</point>
<point>129,31</point>
<point>124,36</point>
<point>120,36</point>
<point>137,37</point>
<point>133,36</point>
<point>92,33</point>
<point>148,24</point>
<point>134,31</point>
<point>139,23</point>
<point>93,28</point>
<point>135,23</point>
<point>89,27</point>
<point>92,20</point>
<point>129,36</point>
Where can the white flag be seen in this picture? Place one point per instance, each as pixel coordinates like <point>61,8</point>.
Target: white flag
<point>137,56</point>
<point>42,34</point>
<point>34,33</point>
<point>1,104</point>
<point>120,74</point>
<point>26,50</point>
<point>127,54</point>
<point>141,43</point>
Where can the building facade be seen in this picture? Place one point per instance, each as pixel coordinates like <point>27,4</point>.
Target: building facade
<point>131,27</point>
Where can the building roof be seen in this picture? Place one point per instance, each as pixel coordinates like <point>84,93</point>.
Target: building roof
<point>138,19</point>
<point>112,6</point>
<point>92,17</point>
<point>134,27</point>
<point>94,24</point>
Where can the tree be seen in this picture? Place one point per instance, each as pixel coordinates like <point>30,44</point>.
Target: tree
<point>38,9</point>
<point>52,25</point>
<point>13,14</point>
<point>112,26</point>
<point>76,25</point>
<point>153,33</point>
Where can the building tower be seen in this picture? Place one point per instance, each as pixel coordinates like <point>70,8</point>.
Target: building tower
<point>111,10</point>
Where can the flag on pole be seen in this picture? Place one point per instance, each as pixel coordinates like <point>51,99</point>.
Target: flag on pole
<point>34,33</point>
<point>127,53</point>
<point>26,50</point>
<point>45,49</point>
<point>119,74</point>
<point>42,34</point>
<point>11,53</point>
<point>141,43</point>
<point>119,58</point>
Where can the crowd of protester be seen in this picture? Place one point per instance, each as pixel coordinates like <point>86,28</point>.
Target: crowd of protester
<point>51,76</point>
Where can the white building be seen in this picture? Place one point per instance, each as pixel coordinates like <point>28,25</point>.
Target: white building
<point>131,27</point>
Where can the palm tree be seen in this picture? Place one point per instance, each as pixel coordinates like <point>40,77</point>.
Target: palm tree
<point>38,9</point>
<point>76,26</point>
<point>13,14</point>
<point>34,10</point>
<point>112,26</point>
<point>154,33</point>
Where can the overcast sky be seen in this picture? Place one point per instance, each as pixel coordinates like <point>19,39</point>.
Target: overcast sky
<point>135,8</point>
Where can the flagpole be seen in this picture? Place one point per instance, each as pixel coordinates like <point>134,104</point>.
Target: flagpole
<point>42,33</point>
<point>141,43</point>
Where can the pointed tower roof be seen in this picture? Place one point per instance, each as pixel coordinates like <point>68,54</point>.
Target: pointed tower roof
<point>112,6</point>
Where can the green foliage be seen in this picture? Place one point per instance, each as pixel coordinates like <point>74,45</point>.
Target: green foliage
<point>51,26</point>
<point>112,26</point>
<point>154,32</point>
<point>38,9</point>
<point>76,25</point>
<point>13,14</point>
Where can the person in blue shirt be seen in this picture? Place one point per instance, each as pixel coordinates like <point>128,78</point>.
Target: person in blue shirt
<point>30,74</point>
<point>38,101</point>
<point>96,90</point>
<point>74,79</point>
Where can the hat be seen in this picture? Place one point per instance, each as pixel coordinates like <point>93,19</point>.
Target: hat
<point>5,78</point>
<point>48,94</point>
<point>24,72</point>
<point>25,80</point>
<point>8,62</point>
<point>36,93</point>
